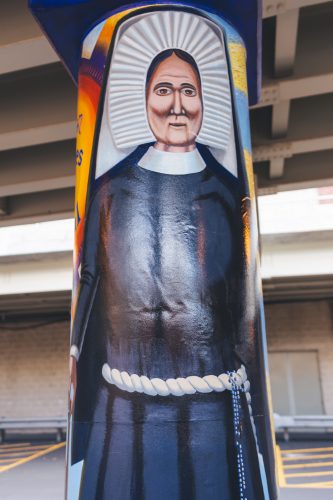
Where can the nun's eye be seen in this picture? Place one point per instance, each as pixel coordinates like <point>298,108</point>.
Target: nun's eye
<point>189,92</point>
<point>163,91</point>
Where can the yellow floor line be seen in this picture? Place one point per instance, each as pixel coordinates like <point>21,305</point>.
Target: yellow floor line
<point>307,449</point>
<point>32,457</point>
<point>304,466</point>
<point>13,445</point>
<point>8,460</point>
<point>23,450</point>
<point>308,457</point>
<point>325,485</point>
<point>279,467</point>
<point>310,474</point>
<point>19,453</point>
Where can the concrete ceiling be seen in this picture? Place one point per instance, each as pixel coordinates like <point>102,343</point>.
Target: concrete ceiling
<point>292,126</point>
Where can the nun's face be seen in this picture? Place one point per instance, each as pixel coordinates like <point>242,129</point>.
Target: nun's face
<point>174,105</point>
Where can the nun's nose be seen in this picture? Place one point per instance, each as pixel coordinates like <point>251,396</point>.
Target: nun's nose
<point>177,103</point>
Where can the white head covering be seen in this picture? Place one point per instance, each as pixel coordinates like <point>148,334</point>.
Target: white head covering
<point>140,39</point>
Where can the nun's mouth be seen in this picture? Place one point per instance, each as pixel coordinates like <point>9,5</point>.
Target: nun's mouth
<point>176,387</point>
<point>177,125</point>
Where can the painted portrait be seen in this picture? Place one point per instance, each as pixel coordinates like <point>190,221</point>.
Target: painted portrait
<point>162,405</point>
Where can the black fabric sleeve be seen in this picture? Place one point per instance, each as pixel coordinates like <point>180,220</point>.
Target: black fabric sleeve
<point>89,278</point>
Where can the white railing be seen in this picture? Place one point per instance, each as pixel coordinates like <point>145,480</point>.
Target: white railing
<point>302,423</point>
<point>56,424</point>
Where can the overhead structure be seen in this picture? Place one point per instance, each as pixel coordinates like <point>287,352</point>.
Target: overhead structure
<point>292,127</point>
<point>293,77</point>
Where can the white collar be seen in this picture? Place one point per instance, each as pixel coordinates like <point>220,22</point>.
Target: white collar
<point>165,162</point>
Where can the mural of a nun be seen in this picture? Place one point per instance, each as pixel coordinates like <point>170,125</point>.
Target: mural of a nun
<point>161,408</point>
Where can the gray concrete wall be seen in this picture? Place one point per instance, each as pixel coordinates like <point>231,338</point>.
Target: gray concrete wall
<point>33,370</point>
<point>305,326</point>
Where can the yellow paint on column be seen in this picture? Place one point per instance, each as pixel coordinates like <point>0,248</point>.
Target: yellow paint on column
<point>87,109</point>
<point>247,203</point>
<point>249,171</point>
<point>279,465</point>
<point>238,65</point>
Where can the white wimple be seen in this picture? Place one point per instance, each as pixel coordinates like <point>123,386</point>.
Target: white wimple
<point>143,39</point>
<point>172,386</point>
<point>124,121</point>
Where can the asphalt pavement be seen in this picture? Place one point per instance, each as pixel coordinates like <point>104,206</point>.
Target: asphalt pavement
<point>35,471</point>
<point>38,479</point>
<point>305,470</point>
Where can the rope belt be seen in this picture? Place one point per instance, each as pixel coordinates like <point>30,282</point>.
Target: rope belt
<point>176,386</point>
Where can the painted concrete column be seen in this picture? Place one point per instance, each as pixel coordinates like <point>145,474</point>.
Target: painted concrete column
<point>168,392</point>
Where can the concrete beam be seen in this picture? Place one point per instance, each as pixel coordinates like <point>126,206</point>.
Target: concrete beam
<point>294,257</point>
<point>298,288</point>
<point>300,172</point>
<point>22,43</point>
<point>285,52</point>
<point>276,7</point>
<point>26,54</point>
<point>36,108</point>
<point>276,168</point>
<point>40,168</point>
<point>38,135</point>
<point>51,273</point>
<point>315,41</point>
<point>38,207</point>
<point>16,22</point>
<point>27,304</point>
<point>285,42</point>
<point>286,149</point>
<point>280,91</point>
<point>310,129</point>
<point>280,119</point>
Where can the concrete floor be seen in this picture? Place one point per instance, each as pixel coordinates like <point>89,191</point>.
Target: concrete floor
<point>302,494</point>
<point>40,479</point>
<point>43,479</point>
<point>306,493</point>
